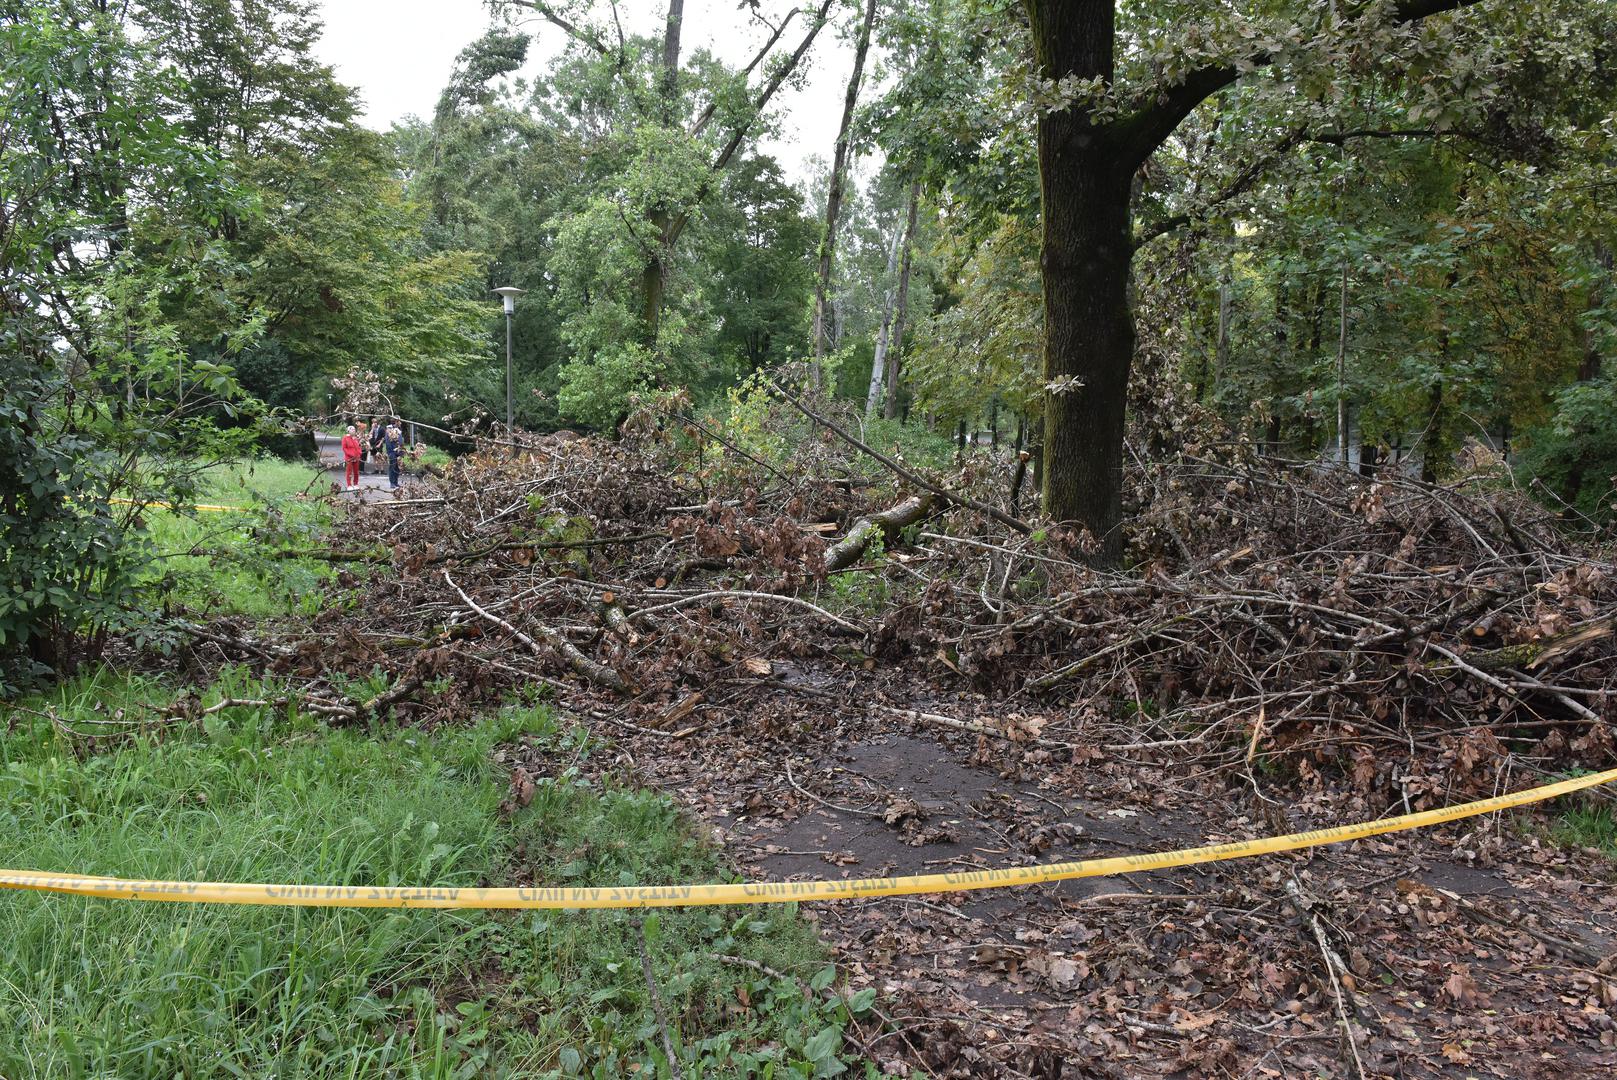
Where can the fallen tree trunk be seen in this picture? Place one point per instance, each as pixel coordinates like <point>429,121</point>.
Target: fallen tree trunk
<point>845,552</point>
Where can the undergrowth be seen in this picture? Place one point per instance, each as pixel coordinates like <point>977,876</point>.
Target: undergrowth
<point>210,562</point>
<point>90,783</point>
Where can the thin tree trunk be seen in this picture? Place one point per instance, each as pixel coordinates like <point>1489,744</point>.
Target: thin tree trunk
<point>878,363</point>
<point>903,304</point>
<point>669,227</point>
<point>653,277</point>
<point>833,199</point>
<point>1436,451</point>
<point>1341,372</point>
<point>670,87</point>
<point>1020,473</point>
<point>1589,365</point>
<point>1222,355</point>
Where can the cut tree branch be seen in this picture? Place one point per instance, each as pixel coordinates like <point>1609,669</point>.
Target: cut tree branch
<point>596,673</point>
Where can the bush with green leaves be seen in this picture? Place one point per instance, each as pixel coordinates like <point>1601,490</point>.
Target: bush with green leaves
<point>100,412</point>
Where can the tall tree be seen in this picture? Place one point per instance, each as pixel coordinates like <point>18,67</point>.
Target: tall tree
<point>1092,140</point>
<point>739,110</point>
<point>833,198</point>
<point>905,263</point>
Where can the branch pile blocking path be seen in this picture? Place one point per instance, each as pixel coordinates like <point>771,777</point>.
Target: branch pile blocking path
<point>1293,646</point>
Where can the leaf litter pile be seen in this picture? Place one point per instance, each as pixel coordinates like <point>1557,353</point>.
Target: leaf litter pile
<point>851,667</point>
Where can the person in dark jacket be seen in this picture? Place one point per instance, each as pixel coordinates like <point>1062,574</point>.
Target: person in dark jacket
<point>374,442</point>
<point>393,446</point>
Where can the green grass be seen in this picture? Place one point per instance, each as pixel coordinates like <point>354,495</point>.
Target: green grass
<point>434,456</point>
<point>101,988</point>
<point>919,446</point>
<point>236,579</point>
<point>1587,824</point>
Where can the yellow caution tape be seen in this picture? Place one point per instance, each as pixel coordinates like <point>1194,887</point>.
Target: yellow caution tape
<point>771,892</point>
<point>204,507</point>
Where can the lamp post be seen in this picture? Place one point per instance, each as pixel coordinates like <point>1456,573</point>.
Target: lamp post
<point>509,294</point>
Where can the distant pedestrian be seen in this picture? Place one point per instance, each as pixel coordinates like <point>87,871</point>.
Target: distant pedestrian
<point>393,445</point>
<point>378,433</point>
<point>352,454</point>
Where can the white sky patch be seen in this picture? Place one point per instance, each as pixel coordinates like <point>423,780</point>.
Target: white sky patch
<point>399,53</point>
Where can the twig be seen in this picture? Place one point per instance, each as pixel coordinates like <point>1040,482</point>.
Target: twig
<point>596,673</point>
<point>1327,954</point>
<point>806,793</point>
<point>657,1001</point>
<point>915,478</point>
<point>729,594</point>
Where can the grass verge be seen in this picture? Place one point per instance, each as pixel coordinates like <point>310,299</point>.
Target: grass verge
<point>228,575</point>
<point>98,988</point>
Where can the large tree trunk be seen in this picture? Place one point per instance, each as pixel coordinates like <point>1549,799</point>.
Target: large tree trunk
<point>890,409</point>
<point>1089,345</point>
<point>1087,248</point>
<point>1085,172</point>
<point>833,198</point>
<point>651,296</point>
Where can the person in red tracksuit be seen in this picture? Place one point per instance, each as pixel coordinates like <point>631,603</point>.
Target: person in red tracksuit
<point>351,455</point>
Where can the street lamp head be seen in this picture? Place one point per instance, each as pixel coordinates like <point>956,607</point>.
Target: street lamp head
<point>509,294</point>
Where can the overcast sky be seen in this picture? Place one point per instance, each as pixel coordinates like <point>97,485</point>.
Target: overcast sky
<point>399,54</point>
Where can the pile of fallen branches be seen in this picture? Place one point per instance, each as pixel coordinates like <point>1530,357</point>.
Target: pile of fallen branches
<point>675,578</point>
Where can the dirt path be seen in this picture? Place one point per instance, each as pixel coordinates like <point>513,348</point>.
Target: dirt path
<point>1476,950</point>
<point>373,486</point>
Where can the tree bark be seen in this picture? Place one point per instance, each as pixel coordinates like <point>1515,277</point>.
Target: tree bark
<point>1089,327</point>
<point>878,362</point>
<point>833,199</point>
<point>890,409</point>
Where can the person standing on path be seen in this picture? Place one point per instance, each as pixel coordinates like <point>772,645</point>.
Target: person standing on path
<point>378,433</point>
<point>352,454</point>
<point>393,444</point>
